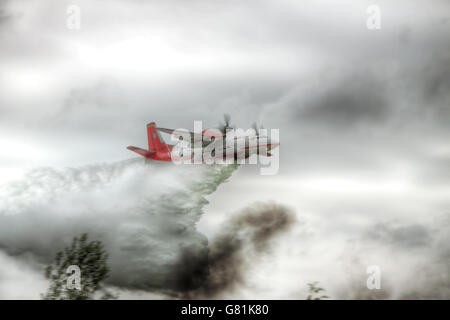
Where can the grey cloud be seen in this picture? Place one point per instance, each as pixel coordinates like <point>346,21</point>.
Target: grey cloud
<point>434,169</point>
<point>104,94</point>
<point>409,236</point>
<point>436,87</point>
<point>354,285</point>
<point>422,252</point>
<point>4,17</point>
<point>352,100</point>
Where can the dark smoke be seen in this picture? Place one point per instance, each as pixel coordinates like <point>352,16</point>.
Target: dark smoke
<point>244,238</point>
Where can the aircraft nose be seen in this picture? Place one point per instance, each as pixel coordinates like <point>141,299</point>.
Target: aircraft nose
<point>274,142</point>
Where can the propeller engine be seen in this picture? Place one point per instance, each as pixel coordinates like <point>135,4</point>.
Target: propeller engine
<point>226,124</point>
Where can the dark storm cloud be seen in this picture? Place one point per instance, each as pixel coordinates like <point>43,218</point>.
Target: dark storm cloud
<point>436,84</point>
<point>244,239</point>
<point>354,99</point>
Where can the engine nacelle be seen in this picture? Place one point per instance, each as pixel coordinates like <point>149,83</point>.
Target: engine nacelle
<point>213,133</point>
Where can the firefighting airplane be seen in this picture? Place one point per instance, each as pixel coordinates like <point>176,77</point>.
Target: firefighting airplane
<point>259,143</point>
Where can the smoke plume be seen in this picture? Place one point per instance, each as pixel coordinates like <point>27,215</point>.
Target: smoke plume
<point>244,239</point>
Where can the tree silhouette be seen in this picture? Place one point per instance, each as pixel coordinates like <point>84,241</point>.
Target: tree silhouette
<point>90,258</point>
<point>314,292</point>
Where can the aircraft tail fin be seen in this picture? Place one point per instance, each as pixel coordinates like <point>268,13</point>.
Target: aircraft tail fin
<point>155,142</point>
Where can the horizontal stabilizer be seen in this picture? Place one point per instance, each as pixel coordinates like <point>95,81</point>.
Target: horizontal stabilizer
<point>142,152</point>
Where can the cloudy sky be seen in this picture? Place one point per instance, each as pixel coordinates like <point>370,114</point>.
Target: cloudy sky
<point>363,118</point>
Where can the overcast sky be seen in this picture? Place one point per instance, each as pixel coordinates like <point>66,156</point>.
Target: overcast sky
<point>363,118</point>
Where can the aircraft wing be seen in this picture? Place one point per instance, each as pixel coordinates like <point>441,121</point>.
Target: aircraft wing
<point>185,134</point>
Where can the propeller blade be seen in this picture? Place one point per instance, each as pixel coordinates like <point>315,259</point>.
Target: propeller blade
<point>255,127</point>
<point>223,127</point>
<point>227,119</point>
